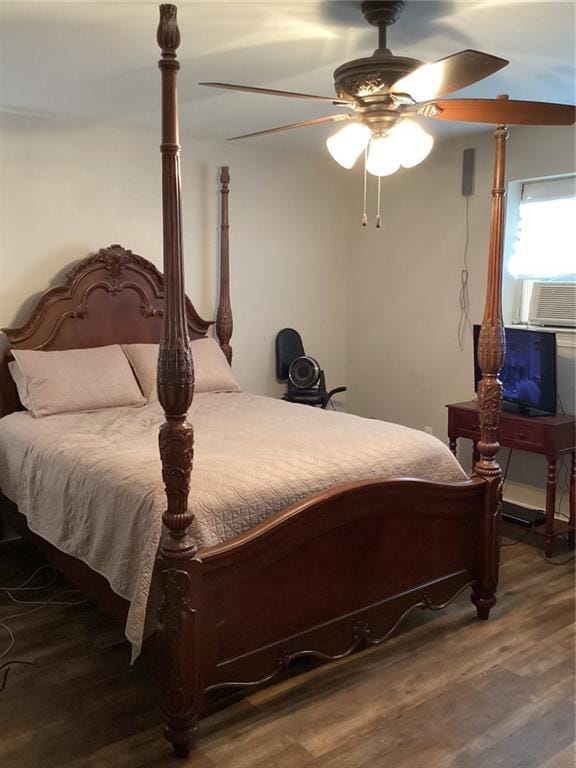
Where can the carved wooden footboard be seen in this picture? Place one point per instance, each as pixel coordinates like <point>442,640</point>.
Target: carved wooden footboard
<point>331,575</point>
<point>325,578</point>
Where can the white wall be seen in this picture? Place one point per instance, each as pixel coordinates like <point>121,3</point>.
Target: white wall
<point>68,190</point>
<point>379,308</point>
<point>404,362</point>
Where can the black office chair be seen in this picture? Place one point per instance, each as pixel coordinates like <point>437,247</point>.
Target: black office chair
<point>305,378</point>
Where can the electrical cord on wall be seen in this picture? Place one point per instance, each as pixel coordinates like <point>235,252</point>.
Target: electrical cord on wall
<point>463,296</point>
<point>39,604</point>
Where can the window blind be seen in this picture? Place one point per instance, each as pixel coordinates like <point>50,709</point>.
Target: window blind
<point>545,246</point>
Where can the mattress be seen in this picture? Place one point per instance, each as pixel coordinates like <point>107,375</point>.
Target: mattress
<point>91,484</point>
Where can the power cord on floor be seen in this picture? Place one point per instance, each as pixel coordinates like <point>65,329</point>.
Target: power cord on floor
<point>39,604</point>
<point>526,533</point>
<point>7,666</point>
<point>548,561</point>
<point>24,586</point>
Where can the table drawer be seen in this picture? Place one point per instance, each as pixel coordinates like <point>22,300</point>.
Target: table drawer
<point>467,422</point>
<point>513,434</point>
<point>530,436</point>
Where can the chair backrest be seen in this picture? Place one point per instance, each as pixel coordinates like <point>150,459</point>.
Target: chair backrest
<point>288,347</point>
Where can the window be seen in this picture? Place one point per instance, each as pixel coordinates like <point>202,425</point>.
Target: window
<point>543,257</point>
<point>545,247</point>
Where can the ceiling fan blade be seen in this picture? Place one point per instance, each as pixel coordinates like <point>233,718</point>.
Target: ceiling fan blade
<point>447,75</point>
<point>314,121</point>
<point>499,111</point>
<point>273,92</point>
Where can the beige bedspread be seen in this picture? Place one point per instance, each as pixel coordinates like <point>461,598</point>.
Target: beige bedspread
<point>90,483</point>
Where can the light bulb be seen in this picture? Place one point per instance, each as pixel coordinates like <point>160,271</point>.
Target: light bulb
<point>412,144</point>
<point>382,157</point>
<point>346,145</point>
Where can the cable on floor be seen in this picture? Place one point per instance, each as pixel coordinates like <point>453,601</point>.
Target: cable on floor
<point>548,561</point>
<point>39,604</point>
<point>7,666</point>
<point>526,533</point>
<point>24,586</point>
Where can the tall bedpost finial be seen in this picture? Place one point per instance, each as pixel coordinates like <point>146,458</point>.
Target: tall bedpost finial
<point>168,34</point>
<point>224,322</point>
<point>179,616</point>
<point>491,351</point>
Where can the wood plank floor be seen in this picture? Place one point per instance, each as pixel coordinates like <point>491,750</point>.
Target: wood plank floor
<point>445,692</point>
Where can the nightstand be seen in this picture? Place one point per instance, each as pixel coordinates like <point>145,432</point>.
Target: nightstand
<point>549,436</point>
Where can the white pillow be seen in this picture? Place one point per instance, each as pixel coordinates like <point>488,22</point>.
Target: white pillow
<point>21,384</point>
<point>75,380</point>
<point>211,370</point>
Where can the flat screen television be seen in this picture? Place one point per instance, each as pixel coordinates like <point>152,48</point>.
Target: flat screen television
<point>529,372</point>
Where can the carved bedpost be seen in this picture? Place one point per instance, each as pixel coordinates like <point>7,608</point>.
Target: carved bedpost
<point>178,617</point>
<point>224,323</point>
<point>491,350</point>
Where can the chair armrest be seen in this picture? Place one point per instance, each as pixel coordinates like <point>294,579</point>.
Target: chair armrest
<point>336,391</point>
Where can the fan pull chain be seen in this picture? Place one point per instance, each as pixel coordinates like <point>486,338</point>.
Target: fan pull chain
<point>378,217</point>
<point>364,214</point>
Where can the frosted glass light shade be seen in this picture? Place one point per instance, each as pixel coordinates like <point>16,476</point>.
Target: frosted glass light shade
<point>411,142</point>
<point>382,157</point>
<point>346,145</point>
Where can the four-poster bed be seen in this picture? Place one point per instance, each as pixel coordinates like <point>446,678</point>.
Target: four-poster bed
<point>329,574</point>
<point>253,585</point>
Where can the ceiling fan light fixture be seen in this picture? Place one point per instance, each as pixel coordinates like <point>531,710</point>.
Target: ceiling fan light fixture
<point>348,143</point>
<point>382,157</point>
<point>412,143</point>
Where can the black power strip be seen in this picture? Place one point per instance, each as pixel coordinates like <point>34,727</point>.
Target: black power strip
<point>517,515</point>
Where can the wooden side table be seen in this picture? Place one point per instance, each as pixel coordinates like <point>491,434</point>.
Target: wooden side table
<point>549,436</point>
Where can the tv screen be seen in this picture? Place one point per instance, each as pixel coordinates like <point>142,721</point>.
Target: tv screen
<point>529,372</point>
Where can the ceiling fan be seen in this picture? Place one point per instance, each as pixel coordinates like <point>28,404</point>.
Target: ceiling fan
<point>383,91</point>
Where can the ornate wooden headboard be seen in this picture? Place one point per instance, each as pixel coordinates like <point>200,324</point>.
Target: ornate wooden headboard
<point>112,297</point>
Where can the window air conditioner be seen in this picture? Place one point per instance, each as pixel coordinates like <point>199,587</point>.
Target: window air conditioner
<point>553,304</point>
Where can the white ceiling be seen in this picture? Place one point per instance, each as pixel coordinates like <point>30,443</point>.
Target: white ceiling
<point>96,61</point>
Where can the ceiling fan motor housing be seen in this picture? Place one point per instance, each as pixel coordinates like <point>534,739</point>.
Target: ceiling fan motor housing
<point>379,12</point>
<point>369,79</point>
<point>371,76</point>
